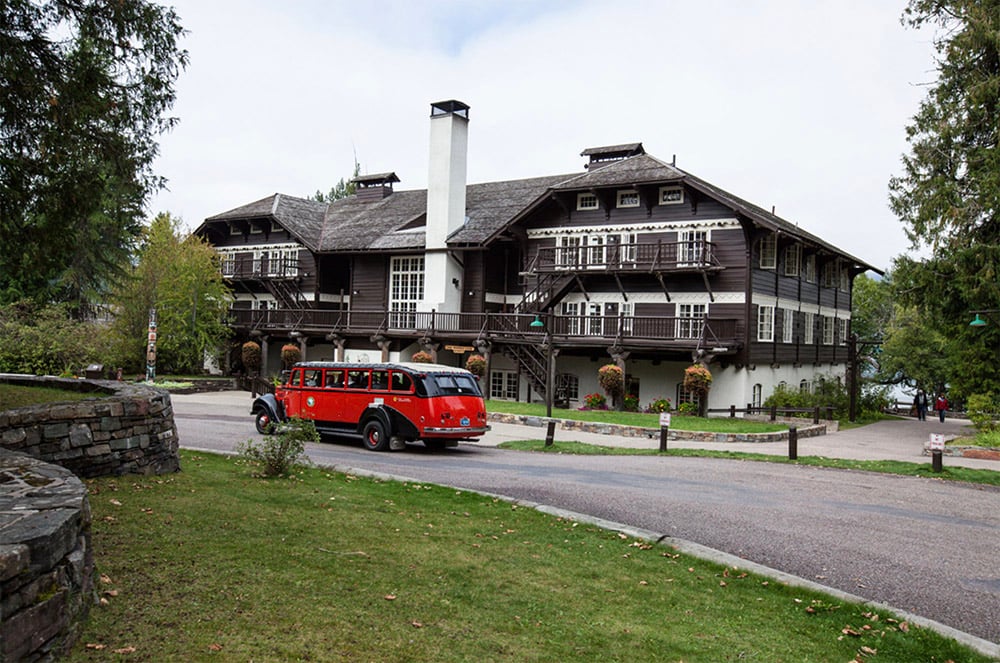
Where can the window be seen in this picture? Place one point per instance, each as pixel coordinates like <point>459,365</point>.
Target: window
<point>568,387</point>
<point>380,380</point>
<point>691,247</point>
<point>595,251</point>
<point>585,201</point>
<point>685,396</point>
<point>571,311</point>
<point>627,248</point>
<point>828,330</point>
<point>334,379</point>
<point>805,387</point>
<point>313,377</point>
<point>787,325</point>
<point>768,251</point>
<point>810,329</point>
<point>568,252</point>
<point>628,198</point>
<point>671,195</point>
<point>842,331</point>
<point>845,279</point>
<point>503,385</point>
<point>830,274</point>
<point>401,382</point>
<point>406,290</point>
<point>627,312</point>
<point>757,397</point>
<point>793,258</point>
<point>228,263</point>
<point>765,323</point>
<point>690,320</point>
<point>357,379</point>
<point>810,269</point>
<point>595,319</point>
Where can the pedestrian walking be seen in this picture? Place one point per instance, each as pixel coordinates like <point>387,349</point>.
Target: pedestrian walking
<point>920,404</point>
<point>941,406</point>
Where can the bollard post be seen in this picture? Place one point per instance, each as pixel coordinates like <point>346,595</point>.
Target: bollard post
<point>936,458</point>
<point>816,415</point>
<point>774,412</point>
<point>793,443</point>
<point>732,411</point>
<point>550,433</point>
<point>664,431</point>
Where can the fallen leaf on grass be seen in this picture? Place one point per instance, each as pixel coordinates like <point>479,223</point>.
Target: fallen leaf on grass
<point>105,578</point>
<point>850,631</point>
<point>111,592</point>
<point>390,597</point>
<point>94,645</point>
<point>215,647</point>
<point>126,650</point>
<point>416,624</point>
<point>904,627</point>
<point>115,502</point>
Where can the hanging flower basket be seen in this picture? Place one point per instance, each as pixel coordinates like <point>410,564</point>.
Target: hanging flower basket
<point>422,357</point>
<point>698,379</point>
<point>250,353</point>
<point>476,364</point>
<point>290,355</point>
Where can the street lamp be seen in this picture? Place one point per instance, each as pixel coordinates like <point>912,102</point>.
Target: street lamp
<point>978,320</point>
<point>537,322</point>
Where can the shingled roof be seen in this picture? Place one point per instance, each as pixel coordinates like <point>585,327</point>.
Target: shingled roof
<point>396,222</point>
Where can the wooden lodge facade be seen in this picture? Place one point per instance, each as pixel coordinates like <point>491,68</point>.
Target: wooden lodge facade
<point>632,261</point>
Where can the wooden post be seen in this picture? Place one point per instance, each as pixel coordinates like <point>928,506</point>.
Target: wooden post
<point>793,443</point>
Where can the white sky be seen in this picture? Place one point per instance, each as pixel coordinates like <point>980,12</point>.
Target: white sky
<point>797,104</point>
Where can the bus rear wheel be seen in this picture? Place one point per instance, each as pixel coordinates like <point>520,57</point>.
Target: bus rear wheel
<point>375,436</point>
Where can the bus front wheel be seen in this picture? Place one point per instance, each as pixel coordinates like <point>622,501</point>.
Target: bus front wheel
<point>375,436</point>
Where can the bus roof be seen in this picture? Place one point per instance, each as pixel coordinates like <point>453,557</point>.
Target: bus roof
<point>413,367</point>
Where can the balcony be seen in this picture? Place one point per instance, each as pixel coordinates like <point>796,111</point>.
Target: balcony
<point>649,332</point>
<point>697,255</point>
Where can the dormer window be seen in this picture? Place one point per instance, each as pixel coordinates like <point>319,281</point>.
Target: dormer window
<point>671,195</point>
<point>586,201</point>
<point>628,198</point>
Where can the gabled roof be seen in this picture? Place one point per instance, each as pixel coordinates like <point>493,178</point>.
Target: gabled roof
<point>396,222</point>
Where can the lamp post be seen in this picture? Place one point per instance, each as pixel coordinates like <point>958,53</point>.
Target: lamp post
<point>538,325</point>
<point>978,320</point>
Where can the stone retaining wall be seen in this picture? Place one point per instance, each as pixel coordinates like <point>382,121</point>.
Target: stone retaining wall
<point>804,429</point>
<point>46,562</point>
<point>126,428</point>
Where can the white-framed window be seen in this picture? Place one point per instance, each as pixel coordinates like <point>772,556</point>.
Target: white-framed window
<point>235,229</point>
<point>757,398</point>
<point>765,323</point>
<point>810,268</point>
<point>227,262</point>
<point>830,274</point>
<point>845,279</point>
<point>828,323</point>
<point>406,290</point>
<point>690,320</point>
<point>503,385</point>
<point>627,248</point>
<point>787,325</point>
<point>805,387</point>
<point>586,201</point>
<point>671,195</point>
<point>568,252</point>
<point>793,259</point>
<point>595,319</point>
<point>841,331</point>
<point>571,311</point>
<point>809,329</point>
<point>263,305</point>
<point>691,247</point>
<point>628,198</point>
<point>686,396</point>
<point>768,251</point>
<point>627,312</point>
<point>258,227</point>
<point>595,251</point>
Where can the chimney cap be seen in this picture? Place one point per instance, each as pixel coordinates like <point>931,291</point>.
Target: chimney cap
<point>375,179</point>
<point>450,107</point>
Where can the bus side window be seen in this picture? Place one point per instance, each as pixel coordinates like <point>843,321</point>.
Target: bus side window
<point>357,379</point>
<point>312,378</point>
<point>380,380</point>
<point>296,378</point>
<point>334,379</point>
<point>401,381</point>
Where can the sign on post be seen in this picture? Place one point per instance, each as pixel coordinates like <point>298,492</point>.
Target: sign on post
<point>937,442</point>
<point>937,451</point>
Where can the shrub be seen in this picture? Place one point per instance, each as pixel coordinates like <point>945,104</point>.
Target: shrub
<point>659,405</point>
<point>250,353</point>
<point>630,403</point>
<point>46,340</point>
<point>981,409</point>
<point>422,357</point>
<point>476,364</point>
<point>595,401</point>
<point>280,453</point>
<point>290,355</point>
<point>688,409</point>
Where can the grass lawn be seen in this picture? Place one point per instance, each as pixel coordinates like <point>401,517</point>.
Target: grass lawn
<point>678,422</point>
<point>952,472</point>
<point>14,396</point>
<point>212,563</point>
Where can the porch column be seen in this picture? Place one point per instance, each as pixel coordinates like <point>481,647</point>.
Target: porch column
<point>429,346</point>
<point>618,356</point>
<point>338,342</point>
<point>383,344</point>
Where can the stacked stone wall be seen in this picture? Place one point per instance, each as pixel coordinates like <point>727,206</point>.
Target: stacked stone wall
<point>46,561</point>
<point>124,428</point>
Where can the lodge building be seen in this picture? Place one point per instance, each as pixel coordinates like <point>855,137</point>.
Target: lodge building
<point>632,261</point>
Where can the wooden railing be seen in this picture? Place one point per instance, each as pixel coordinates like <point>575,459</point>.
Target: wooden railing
<point>658,257</point>
<point>705,332</point>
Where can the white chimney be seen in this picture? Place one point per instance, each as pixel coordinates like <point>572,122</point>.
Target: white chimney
<point>445,204</point>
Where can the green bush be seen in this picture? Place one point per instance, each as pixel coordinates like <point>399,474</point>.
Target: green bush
<point>659,405</point>
<point>981,409</point>
<point>630,403</point>
<point>46,340</point>
<point>595,401</point>
<point>688,409</point>
<point>282,452</point>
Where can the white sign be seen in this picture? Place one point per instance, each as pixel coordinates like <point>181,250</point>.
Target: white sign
<point>665,419</point>
<point>937,442</point>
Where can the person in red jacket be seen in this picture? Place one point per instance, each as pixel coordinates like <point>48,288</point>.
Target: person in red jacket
<point>941,406</point>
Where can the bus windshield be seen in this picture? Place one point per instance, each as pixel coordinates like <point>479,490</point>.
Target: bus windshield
<point>450,384</point>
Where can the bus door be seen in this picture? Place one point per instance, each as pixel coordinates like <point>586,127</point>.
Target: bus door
<point>356,397</point>
<point>328,406</point>
<point>312,381</point>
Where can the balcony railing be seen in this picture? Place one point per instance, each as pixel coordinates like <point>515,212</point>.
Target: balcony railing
<point>679,332</point>
<point>257,268</point>
<point>658,257</point>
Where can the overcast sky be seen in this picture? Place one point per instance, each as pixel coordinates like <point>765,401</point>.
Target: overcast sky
<point>797,105</point>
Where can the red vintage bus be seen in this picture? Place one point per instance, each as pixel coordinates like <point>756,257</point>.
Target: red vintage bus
<point>384,404</point>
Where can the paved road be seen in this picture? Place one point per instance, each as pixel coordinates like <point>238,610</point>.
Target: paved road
<point>920,545</point>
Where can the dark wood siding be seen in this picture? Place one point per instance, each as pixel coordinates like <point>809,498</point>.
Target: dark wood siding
<point>472,282</point>
<point>370,277</point>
